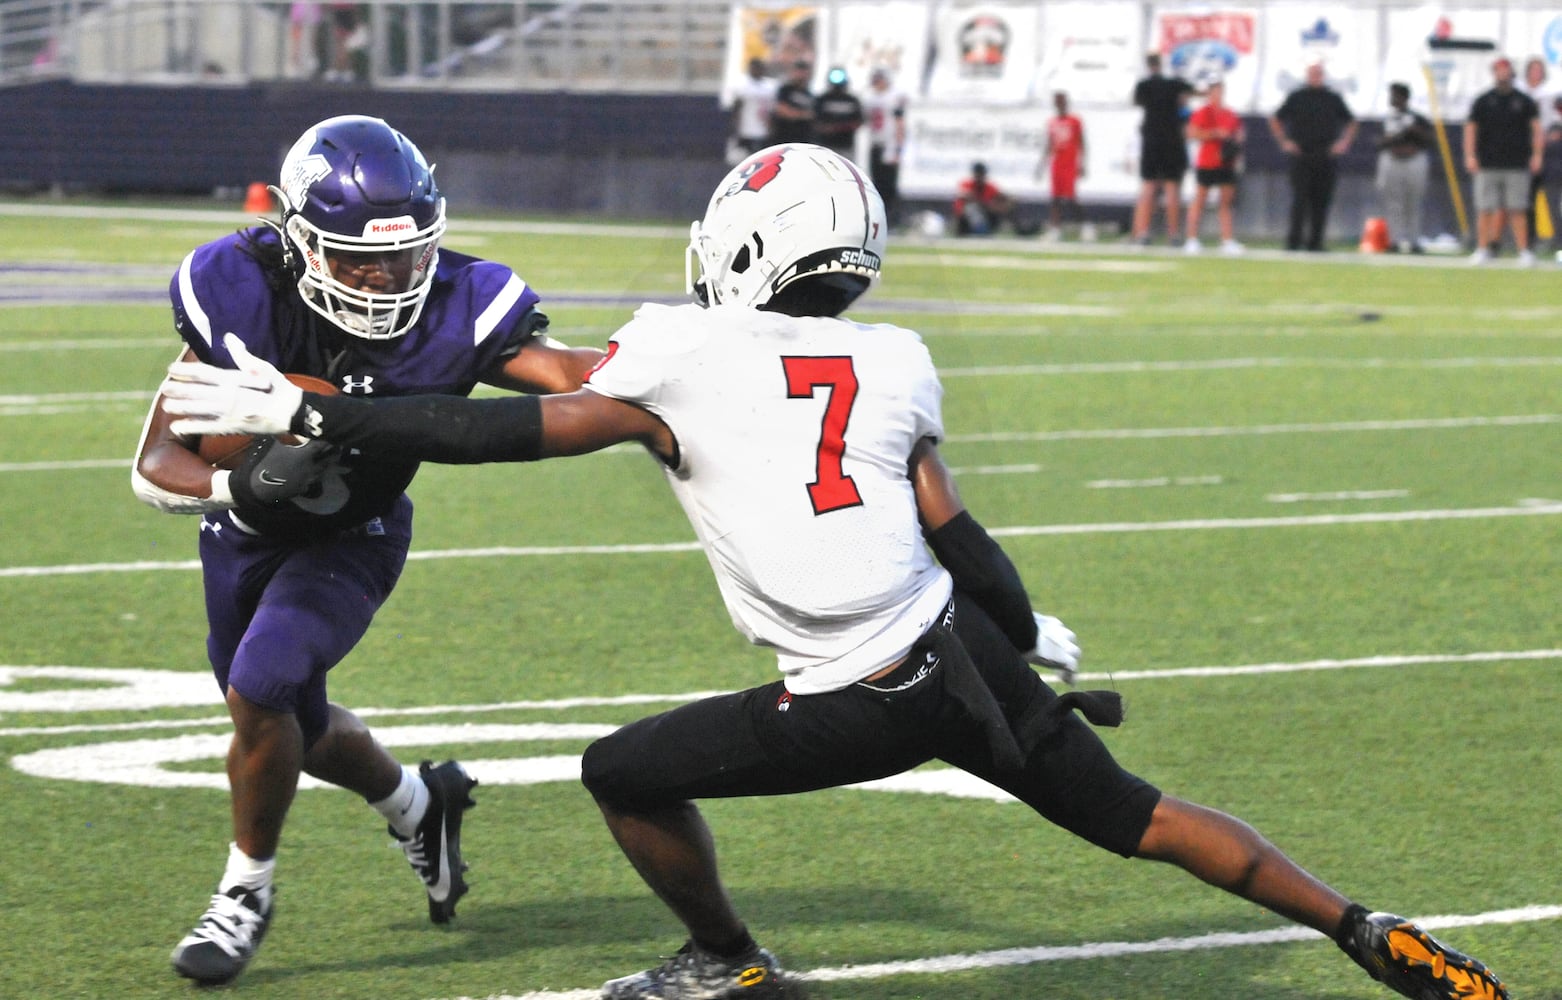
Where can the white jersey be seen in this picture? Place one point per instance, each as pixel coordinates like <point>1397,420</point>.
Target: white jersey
<point>756,98</point>
<point>793,438</point>
<point>883,111</point>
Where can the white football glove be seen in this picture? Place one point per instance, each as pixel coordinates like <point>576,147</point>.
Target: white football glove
<point>1056,648</point>
<point>255,398</point>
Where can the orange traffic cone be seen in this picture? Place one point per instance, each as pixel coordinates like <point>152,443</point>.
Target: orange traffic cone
<point>257,200</point>
<point>1374,235</point>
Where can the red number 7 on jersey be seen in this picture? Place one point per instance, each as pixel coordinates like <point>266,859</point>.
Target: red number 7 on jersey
<point>831,489</point>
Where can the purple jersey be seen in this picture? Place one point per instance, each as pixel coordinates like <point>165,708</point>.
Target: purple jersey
<point>478,314</point>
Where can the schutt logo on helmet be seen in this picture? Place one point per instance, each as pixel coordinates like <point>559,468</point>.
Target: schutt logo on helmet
<point>853,257</point>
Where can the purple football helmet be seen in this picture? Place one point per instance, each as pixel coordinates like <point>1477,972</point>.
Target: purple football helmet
<point>364,218</point>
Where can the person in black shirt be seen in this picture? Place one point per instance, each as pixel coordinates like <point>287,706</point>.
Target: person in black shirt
<point>792,116</point>
<point>837,115</point>
<point>1503,146</point>
<point>1163,150</point>
<point>1313,126</point>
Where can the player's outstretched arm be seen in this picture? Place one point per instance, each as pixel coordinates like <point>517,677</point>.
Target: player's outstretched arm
<point>545,365</point>
<point>982,569</point>
<point>431,428</point>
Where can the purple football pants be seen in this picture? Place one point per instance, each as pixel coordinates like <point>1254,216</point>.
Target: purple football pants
<point>283,613</point>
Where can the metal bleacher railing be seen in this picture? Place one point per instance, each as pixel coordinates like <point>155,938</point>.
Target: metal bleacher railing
<point>627,46</point>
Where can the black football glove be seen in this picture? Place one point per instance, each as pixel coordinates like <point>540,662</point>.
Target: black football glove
<point>274,472</point>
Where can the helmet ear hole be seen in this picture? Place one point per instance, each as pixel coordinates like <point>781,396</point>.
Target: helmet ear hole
<point>741,261</point>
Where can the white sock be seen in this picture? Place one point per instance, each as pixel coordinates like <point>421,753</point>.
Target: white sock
<point>403,809</point>
<point>245,871</point>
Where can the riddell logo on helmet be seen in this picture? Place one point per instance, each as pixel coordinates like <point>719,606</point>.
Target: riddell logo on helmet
<point>384,227</point>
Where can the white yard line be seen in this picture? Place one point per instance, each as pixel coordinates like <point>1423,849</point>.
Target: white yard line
<point>1009,957</point>
<point>565,704</point>
<point>1239,364</point>
<point>234,216</point>
<point>104,344</point>
<point>1536,508</point>
<point>1152,482</point>
<point>1337,495</point>
<point>1347,426</point>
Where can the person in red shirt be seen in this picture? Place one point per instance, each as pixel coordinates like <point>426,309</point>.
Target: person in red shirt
<point>1065,153</point>
<point>980,207</point>
<point>1218,131</point>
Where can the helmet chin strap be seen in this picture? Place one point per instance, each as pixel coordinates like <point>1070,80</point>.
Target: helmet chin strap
<point>289,255</point>
<point>698,286</point>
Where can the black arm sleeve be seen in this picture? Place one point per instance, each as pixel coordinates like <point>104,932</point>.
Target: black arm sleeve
<point>449,429</point>
<point>982,570</point>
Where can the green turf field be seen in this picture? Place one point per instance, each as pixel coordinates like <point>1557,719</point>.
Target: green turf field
<point>1303,512</point>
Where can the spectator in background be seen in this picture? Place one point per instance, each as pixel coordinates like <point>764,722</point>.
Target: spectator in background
<point>884,108</point>
<point>1314,128</point>
<point>1544,98</point>
<point>1065,154</point>
<point>349,44</point>
<point>1163,150</point>
<point>1403,166</point>
<point>838,115</point>
<point>792,114</point>
<point>980,207</point>
<point>1551,173</point>
<point>1218,131</point>
<point>1547,97</point>
<point>751,106</point>
<point>303,39</point>
<point>1502,151</point>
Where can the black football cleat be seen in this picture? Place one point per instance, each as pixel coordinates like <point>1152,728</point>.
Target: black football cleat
<point>696,974</point>
<point>434,850</point>
<point>1411,962</point>
<point>227,937</point>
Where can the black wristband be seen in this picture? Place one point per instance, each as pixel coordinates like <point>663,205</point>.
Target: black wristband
<point>273,473</point>
<point>449,429</point>
<point>982,570</point>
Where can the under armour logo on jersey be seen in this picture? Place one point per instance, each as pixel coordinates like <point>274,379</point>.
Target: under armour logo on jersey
<point>356,385</point>
<point>211,526</point>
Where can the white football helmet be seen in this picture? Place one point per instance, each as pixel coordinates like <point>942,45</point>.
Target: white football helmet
<point>362,219</point>
<point>787,212</point>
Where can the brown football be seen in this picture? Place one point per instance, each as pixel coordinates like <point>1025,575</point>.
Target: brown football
<point>226,451</point>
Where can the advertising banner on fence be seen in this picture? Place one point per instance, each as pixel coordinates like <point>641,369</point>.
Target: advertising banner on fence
<point>983,54</point>
<point>1092,51</point>
<point>1208,45</point>
<point>1343,39</point>
<point>942,143</point>
<point>778,34</point>
<point>1460,66</point>
<point>888,36</point>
